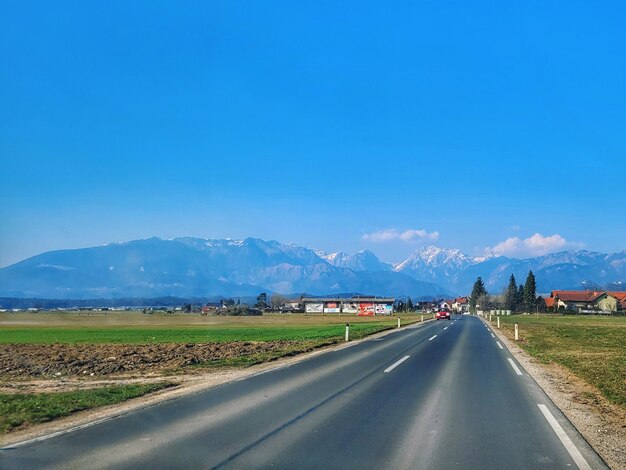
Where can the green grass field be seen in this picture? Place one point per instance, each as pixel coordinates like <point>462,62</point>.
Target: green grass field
<point>592,347</point>
<point>216,329</point>
<point>22,410</point>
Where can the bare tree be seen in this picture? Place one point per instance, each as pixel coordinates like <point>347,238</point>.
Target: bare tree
<point>277,301</point>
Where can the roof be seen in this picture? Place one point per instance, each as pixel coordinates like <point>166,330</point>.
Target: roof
<point>576,295</point>
<point>618,295</point>
<point>461,300</point>
<point>550,301</point>
<point>585,296</point>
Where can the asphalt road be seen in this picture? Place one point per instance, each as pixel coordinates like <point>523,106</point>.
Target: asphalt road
<point>440,395</point>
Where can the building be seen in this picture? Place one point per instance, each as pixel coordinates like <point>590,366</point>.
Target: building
<point>460,305</point>
<point>586,301</point>
<point>360,306</point>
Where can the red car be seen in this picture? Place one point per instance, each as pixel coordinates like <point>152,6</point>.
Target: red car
<point>442,315</point>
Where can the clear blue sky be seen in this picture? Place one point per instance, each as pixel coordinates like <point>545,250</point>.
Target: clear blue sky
<point>333,126</point>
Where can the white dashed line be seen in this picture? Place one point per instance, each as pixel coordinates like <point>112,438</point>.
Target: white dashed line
<point>499,345</point>
<point>431,338</point>
<point>579,460</point>
<point>445,328</point>
<point>514,366</point>
<point>396,364</point>
<point>492,335</point>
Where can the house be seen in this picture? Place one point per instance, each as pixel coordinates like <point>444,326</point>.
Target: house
<point>426,306</point>
<point>621,299</point>
<point>446,305</point>
<point>587,301</point>
<point>460,305</point>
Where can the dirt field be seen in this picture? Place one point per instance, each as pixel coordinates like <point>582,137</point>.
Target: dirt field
<point>24,361</point>
<point>120,346</point>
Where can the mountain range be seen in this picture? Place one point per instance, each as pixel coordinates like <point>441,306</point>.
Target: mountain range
<point>198,267</point>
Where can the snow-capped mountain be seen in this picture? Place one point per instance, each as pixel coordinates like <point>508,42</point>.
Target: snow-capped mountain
<point>187,267</point>
<point>364,260</point>
<point>432,262</point>
<point>196,267</point>
<point>456,271</point>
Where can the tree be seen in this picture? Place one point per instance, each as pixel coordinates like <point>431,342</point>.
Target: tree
<point>541,303</point>
<point>409,305</point>
<point>261,301</point>
<point>477,291</point>
<point>510,294</point>
<point>519,297</point>
<point>277,301</point>
<point>530,291</point>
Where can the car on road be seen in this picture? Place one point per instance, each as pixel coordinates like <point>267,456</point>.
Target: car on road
<point>442,315</point>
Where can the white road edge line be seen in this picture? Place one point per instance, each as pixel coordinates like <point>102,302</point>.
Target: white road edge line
<point>396,364</point>
<point>492,335</point>
<point>580,461</point>
<point>432,337</point>
<point>499,345</point>
<point>514,366</point>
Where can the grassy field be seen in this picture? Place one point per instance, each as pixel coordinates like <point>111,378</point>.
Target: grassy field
<point>593,348</point>
<point>22,410</point>
<point>132,328</point>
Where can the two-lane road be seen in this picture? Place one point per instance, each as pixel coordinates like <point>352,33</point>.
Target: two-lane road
<point>440,395</point>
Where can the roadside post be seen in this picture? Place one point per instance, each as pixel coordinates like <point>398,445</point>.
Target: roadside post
<point>489,316</point>
<point>498,318</point>
<point>516,332</point>
<point>422,317</point>
<point>347,331</point>
<point>398,322</point>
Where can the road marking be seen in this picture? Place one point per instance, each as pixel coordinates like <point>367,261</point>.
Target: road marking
<point>445,328</point>
<point>499,345</point>
<point>431,338</point>
<point>579,460</point>
<point>396,364</point>
<point>492,335</point>
<point>514,366</point>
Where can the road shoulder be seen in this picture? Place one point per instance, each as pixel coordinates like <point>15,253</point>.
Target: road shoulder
<point>600,422</point>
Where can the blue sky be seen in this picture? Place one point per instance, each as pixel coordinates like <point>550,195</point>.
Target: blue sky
<point>382,125</point>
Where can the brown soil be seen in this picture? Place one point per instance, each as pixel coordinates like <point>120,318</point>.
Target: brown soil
<point>26,361</point>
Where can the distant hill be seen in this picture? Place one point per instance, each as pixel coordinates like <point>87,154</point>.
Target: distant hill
<point>195,267</point>
<point>198,268</point>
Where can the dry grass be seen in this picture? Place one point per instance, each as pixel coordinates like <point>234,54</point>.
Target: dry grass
<point>593,348</point>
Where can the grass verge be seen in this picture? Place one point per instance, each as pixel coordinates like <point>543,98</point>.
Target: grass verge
<point>593,348</point>
<point>21,410</point>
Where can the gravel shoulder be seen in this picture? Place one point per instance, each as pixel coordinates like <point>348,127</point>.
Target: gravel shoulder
<point>601,423</point>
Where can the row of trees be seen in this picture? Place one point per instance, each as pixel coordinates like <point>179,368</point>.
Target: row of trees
<point>275,301</point>
<point>522,297</point>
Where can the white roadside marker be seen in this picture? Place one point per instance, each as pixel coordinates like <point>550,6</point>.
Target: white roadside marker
<point>579,460</point>
<point>514,366</point>
<point>396,364</point>
<point>431,338</point>
<point>499,345</point>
